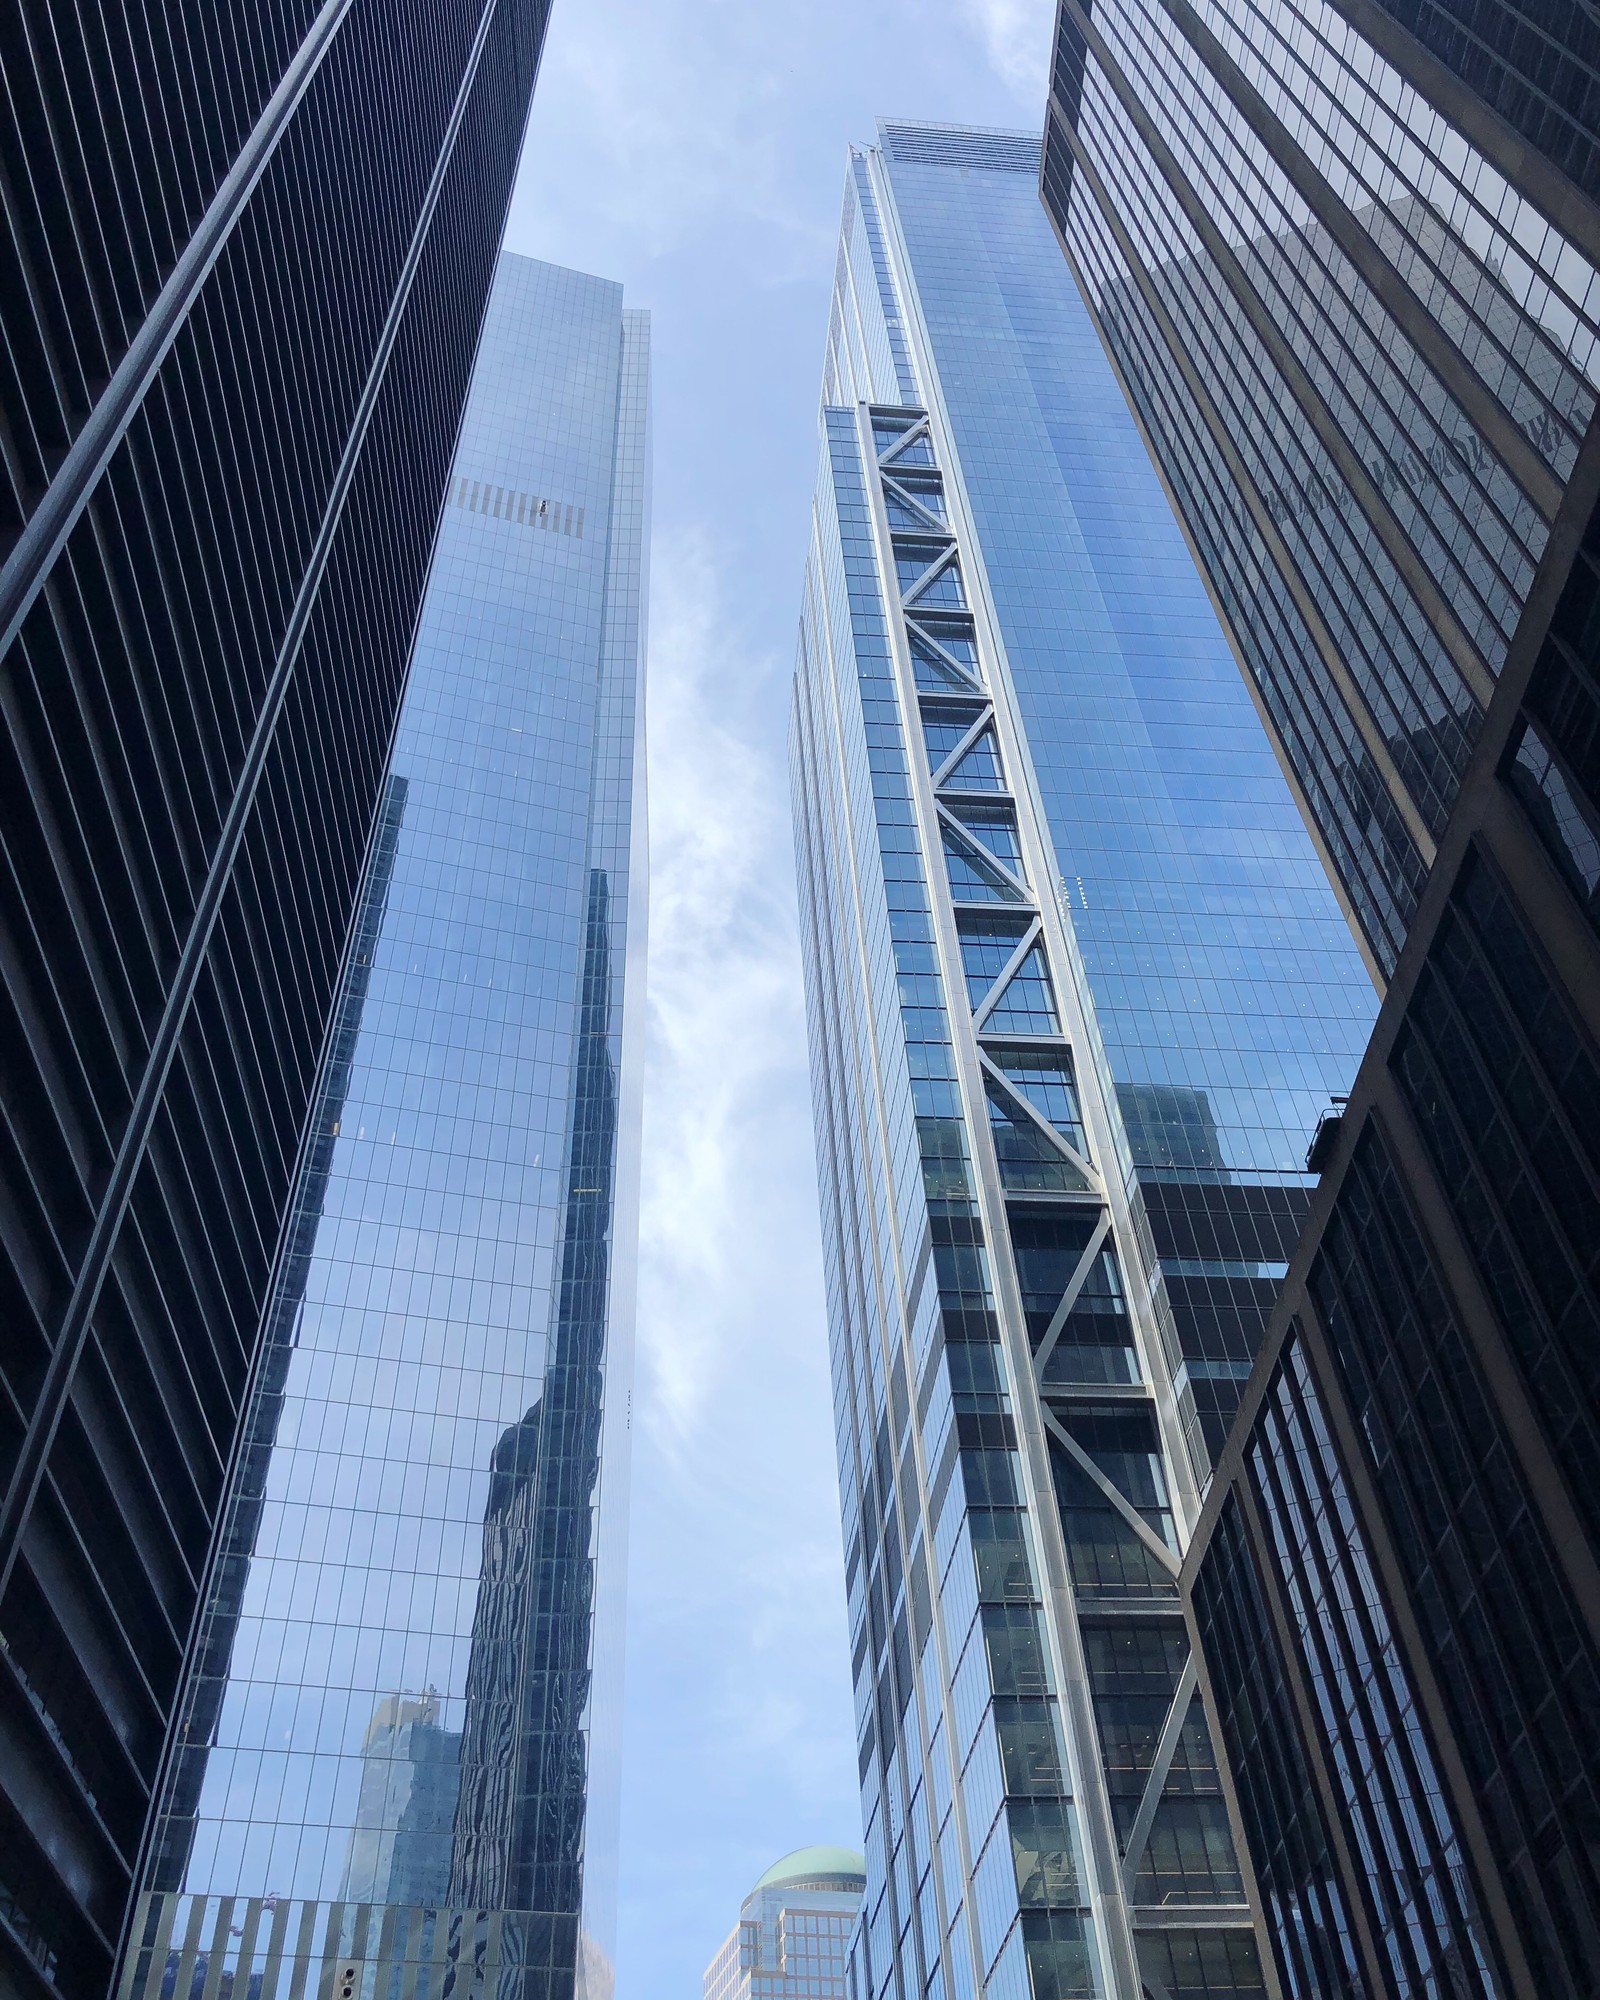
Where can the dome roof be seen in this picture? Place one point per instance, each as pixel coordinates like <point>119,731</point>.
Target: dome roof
<point>841,1869</point>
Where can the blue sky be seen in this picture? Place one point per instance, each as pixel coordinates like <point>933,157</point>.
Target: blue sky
<point>695,149</point>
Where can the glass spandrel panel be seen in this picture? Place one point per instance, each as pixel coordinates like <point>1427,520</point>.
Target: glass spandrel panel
<point>1044,1841</point>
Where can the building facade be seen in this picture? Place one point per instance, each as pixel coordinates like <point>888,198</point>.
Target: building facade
<point>1346,261</point>
<point>395,1763</point>
<point>245,257</point>
<point>792,1940</point>
<point>1078,994</point>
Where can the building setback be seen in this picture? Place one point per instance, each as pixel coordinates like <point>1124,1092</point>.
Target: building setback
<point>1078,993</point>
<point>397,1746</point>
<point>1346,260</point>
<point>245,256</point>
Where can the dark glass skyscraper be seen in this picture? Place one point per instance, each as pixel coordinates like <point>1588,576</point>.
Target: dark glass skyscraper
<point>1077,993</point>
<point>395,1765</point>
<point>243,262</point>
<point>1346,260</point>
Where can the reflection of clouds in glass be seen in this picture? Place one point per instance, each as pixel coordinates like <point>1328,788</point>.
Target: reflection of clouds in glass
<point>456,1291</point>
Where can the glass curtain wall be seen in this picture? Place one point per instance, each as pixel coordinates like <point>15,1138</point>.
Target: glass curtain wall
<point>1074,1012</point>
<point>396,1774</point>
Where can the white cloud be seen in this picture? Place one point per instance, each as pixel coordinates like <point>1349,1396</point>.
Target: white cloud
<point>1016,37</point>
<point>739,1734</point>
<point>721,1238</point>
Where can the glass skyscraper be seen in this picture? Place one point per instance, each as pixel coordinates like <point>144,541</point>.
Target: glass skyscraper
<point>792,1940</point>
<point>244,254</point>
<point>395,1768</point>
<point>1345,255</point>
<point>1078,994</point>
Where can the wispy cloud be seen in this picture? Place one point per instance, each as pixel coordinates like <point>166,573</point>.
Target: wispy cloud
<point>736,1606</point>
<point>725,1131</point>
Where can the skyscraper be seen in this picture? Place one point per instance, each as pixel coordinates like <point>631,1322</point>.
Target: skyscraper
<point>1078,993</point>
<point>395,1765</point>
<point>245,257</point>
<point>792,1940</point>
<point>1346,259</point>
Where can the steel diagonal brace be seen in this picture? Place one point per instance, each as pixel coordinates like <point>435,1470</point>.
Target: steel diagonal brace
<point>939,564</point>
<point>948,657</point>
<point>909,499</point>
<point>1030,937</point>
<point>990,858</point>
<point>1069,1298</point>
<point>1160,1769</point>
<point>1114,1493</point>
<point>1017,1097</point>
<point>941,775</point>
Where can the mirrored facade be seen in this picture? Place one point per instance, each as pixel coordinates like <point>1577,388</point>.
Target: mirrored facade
<point>1346,259</point>
<point>1078,991</point>
<point>397,1770</point>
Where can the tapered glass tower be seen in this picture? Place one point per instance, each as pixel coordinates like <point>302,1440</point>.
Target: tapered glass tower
<point>244,254</point>
<point>395,1771</point>
<point>1078,991</point>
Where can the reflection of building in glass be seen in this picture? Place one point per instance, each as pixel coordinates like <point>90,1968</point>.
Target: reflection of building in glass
<point>400,1774</point>
<point>246,250</point>
<point>406,1808</point>
<point>1078,992</point>
<point>1346,259</point>
<point>792,1940</point>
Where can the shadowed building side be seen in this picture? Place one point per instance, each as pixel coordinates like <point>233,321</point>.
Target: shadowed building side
<point>1346,260</point>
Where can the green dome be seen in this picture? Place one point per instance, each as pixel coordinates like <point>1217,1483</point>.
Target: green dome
<point>840,1869</point>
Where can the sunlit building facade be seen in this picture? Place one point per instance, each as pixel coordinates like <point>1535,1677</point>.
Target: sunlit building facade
<point>1078,994</point>
<point>1345,257</point>
<point>396,1771</point>
<point>792,1940</point>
